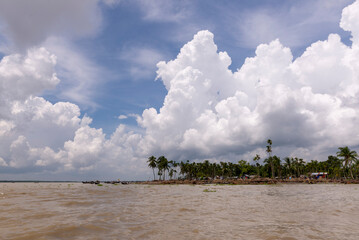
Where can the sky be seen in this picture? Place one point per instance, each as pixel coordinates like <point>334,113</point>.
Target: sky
<point>91,89</point>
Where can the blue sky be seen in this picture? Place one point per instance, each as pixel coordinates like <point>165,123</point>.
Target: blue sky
<point>79,95</point>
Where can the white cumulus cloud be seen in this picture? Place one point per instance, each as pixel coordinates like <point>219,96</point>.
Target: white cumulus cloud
<point>37,135</point>
<point>308,103</point>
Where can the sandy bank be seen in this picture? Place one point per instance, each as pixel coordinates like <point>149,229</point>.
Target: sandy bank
<point>255,181</point>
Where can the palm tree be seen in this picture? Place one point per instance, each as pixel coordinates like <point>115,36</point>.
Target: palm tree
<point>333,166</point>
<point>163,165</point>
<point>171,173</point>
<point>152,164</point>
<point>348,157</point>
<point>313,166</point>
<point>356,168</point>
<point>183,169</point>
<point>288,166</point>
<point>173,165</point>
<point>225,169</point>
<point>213,167</point>
<point>256,160</point>
<point>270,160</point>
<point>206,170</point>
<point>277,165</point>
<point>269,147</point>
<point>299,165</point>
<point>244,167</point>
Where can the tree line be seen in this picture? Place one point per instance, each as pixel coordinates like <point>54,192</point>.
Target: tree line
<point>344,164</point>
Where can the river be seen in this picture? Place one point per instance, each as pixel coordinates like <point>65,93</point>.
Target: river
<point>81,211</point>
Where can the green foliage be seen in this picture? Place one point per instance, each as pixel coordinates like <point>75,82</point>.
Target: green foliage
<point>348,157</point>
<point>162,165</point>
<point>270,159</point>
<point>343,165</point>
<point>152,163</point>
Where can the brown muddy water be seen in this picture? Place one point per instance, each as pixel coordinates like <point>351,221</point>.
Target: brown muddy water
<point>77,211</point>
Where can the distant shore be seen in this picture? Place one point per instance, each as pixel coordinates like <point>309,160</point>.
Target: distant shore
<point>255,181</point>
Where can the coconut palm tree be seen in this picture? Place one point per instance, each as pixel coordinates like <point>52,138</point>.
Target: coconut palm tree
<point>162,164</point>
<point>270,160</point>
<point>244,167</point>
<point>299,165</point>
<point>313,166</point>
<point>288,166</point>
<point>348,157</point>
<point>276,163</point>
<point>152,163</point>
<point>256,160</point>
<point>213,167</point>
<point>173,165</point>
<point>225,169</point>
<point>334,165</point>
<point>170,173</point>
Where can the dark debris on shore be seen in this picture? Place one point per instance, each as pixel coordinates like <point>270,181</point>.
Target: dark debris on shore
<point>106,182</point>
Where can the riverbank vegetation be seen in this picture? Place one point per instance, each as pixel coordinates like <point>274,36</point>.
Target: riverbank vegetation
<point>342,165</point>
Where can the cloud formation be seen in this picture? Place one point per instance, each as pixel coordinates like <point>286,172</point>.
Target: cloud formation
<point>44,18</point>
<point>55,25</point>
<point>81,78</point>
<point>38,136</point>
<point>266,23</point>
<point>307,103</point>
<point>306,106</point>
<point>142,61</point>
<point>26,118</point>
<point>164,11</point>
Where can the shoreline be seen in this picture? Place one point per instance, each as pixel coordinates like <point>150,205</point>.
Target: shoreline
<point>255,181</point>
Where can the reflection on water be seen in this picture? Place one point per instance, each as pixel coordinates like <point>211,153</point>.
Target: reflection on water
<point>77,211</point>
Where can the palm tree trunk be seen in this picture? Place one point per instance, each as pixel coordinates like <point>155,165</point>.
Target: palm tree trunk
<point>351,172</point>
<point>272,167</point>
